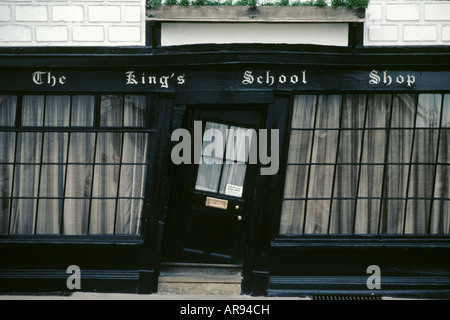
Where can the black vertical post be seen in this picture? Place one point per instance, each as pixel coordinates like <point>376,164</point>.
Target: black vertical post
<point>356,35</point>
<point>153,34</point>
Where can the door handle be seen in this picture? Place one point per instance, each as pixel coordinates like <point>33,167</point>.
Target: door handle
<point>239,218</point>
<point>236,207</point>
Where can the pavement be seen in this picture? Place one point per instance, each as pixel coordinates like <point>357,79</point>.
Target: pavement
<point>154,296</point>
<point>130,296</point>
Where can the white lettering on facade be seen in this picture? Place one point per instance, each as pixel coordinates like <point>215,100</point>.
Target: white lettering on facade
<point>164,81</point>
<point>386,78</point>
<point>46,77</point>
<point>268,78</point>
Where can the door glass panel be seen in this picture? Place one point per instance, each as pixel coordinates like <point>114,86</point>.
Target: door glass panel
<point>210,167</point>
<point>232,182</point>
<point>238,143</point>
<point>225,154</point>
<point>208,176</point>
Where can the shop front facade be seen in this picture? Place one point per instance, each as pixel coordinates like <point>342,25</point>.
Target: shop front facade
<point>316,170</point>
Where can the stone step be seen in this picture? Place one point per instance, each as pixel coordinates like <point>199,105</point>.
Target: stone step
<point>200,269</point>
<point>199,279</point>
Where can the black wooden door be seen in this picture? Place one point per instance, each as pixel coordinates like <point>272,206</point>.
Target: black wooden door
<point>212,197</point>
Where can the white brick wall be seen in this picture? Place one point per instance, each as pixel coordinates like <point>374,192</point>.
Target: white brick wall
<point>122,23</point>
<point>72,23</point>
<point>403,22</point>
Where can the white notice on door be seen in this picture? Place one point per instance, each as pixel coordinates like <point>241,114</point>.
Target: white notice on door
<point>232,190</point>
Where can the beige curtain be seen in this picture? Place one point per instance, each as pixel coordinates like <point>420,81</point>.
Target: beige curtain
<point>74,182</point>
<point>366,164</point>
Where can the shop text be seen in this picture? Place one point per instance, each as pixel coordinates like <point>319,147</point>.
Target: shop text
<point>268,79</point>
<point>385,78</point>
<point>164,81</point>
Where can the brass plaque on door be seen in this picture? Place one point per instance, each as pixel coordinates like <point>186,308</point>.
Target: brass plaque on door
<point>216,203</point>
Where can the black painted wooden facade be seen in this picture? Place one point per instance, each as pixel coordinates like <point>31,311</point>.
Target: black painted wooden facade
<point>262,75</point>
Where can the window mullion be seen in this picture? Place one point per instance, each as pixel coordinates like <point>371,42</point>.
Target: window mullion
<point>96,126</point>
<point>410,164</point>
<point>335,164</point>
<point>61,228</point>
<point>430,214</point>
<point>223,159</point>
<point>40,167</point>
<point>361,150</point>
<point>305,211</point>
<point>386,153</point>
<point>118,184</point>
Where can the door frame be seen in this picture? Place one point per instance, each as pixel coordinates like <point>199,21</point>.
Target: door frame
<point>182,173</point>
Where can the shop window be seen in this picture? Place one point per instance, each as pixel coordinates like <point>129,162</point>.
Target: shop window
<point>368,164</point>
<point>72,164</point>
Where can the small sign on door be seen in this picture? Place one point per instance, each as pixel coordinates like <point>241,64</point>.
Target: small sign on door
<point>233,190</point>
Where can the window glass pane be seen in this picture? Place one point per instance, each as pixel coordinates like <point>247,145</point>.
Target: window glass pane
<point>32,110</point>
<point>49,216</point>
<point>300,146</point>
<point>239,142</point>
<point>213,148</point>
<point>72,182</point>
<point>82,111</point>
<point>404,110</point>
<point>7,110</point>
<point>232,182</point>
<point>135,115</point>
<point>378,110</point>
<point>55,147</point>
<point>81,150</point>
<point>76,216</point>
<point>23,216</point>
<point>292,217</point>
<point>317,215</point>
<point>367,216</point>
<point>111,112</point>
<point>135,147</point>
<point>208,176</point>
<point>7,147</point>
<point>57,111</point>
<point>29,147</point>
<point>445,122</point>
<point>304,112</point>
<point>52,181</point>
<point>102,216</point>
<point>26,181</point>
<point>417,210</point>
<point>353,117</point>
<point>429,110</point>
<point>372,167</point>
<point>214,140</point>
<point>6,174</point>
<point>440,219</point>
<point>132,181</point>
<point>295,184</point>
<point>107,159</point>
<point>128,216</point>
<point>342,216</point>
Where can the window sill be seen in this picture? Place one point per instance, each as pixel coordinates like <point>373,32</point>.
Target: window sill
<point>361,241</point>
<point>260,14</point>
<point>72,239</point>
